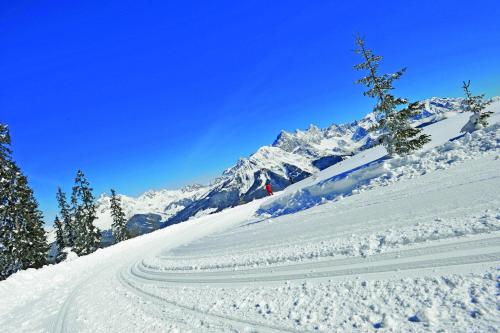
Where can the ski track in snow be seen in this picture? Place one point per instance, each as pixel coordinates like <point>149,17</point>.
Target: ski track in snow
<point>221,322</point>
<point>485,250</point>
<point>417,252</point>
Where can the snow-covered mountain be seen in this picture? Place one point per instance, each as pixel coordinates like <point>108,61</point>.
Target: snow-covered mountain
<point>346,139</point>
<point>149,211</point>
<point>292,157</point>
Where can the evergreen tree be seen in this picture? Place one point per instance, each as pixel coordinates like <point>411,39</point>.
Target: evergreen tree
<point>67,222</point>
<point>476,105</point>
<point>87,236</point>
<point>23,241</point>
<point>9,251</point>
<point>33,238</point>
<point>119,225</point>
<point>61,244</point>
<point>4,143</point>
<point>397,134</point>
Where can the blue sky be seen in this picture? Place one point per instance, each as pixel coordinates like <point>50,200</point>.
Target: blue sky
<point>157,94</point>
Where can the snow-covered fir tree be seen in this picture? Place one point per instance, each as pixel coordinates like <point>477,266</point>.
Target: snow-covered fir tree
<point>9,253</point>
<point>34,239</point>
<point>23,241</point>
<point>67,219</point>
<point>87,236</point>
<point>119,225</point>
<point>477,105</point>
<point>5,150</point>
<point>60,242</point>
<point>394,113</point>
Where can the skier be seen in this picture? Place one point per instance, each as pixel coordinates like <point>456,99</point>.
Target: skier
<point>268,187</point>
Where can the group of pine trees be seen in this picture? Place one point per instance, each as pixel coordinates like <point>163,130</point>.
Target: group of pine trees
<point>394,113</point>
<point>75,229</point>
<point>23,242</point>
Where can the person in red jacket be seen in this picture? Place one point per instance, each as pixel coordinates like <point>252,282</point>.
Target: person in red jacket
<point>268,187</point>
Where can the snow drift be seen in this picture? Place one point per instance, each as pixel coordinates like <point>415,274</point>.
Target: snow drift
<point>385,171</point>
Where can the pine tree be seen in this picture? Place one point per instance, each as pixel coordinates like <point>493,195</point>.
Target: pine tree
<point>23,241</point>
<point>5,150</point>
<point>60,236</point>
<point>9,251</point>
<point>119,225</point>
<point>87,236</point>
<point>67,222</point>
<point>34,240</point>
<point>476,105</point>
<point>398,136</point>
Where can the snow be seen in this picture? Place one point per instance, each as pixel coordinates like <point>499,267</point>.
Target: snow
<point>267,157</point>
<point>384,171</point>
<point>409,244</point>
<point>157,202</point>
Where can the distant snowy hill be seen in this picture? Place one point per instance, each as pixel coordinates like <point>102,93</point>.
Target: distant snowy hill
<point>149,211</point>
<point>291,158</point>
<point>165,203</point>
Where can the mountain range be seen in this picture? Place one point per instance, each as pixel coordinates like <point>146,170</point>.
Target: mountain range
<point>292,157</point>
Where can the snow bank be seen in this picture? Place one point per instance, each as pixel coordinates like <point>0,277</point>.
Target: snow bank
<point>385,171</point>
<point>354,245</point>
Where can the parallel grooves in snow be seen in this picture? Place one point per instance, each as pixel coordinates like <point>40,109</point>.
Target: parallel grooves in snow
<point>455,253</point>
<point>60,325</point>
<point>125,277</point>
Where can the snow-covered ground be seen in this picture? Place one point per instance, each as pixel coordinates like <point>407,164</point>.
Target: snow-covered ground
<point>409,244</point>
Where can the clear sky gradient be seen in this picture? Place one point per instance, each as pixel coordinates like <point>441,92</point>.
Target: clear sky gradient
<point>152,94</point>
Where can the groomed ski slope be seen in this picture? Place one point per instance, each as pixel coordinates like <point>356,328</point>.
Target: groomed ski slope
<point>408,244</point>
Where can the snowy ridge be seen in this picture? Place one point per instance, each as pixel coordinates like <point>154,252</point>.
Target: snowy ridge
<point>274,159</point>
<point>348,138</point>
<point>164,203</point>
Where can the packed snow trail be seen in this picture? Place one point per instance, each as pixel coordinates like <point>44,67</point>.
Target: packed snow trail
<point>416,251</point>
<point>469,252</point>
